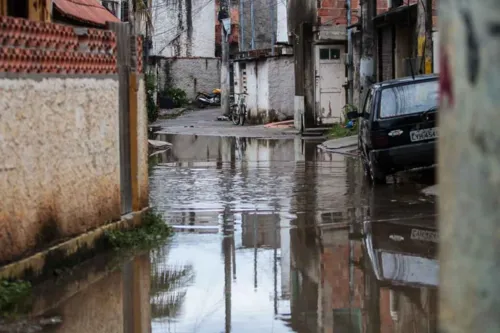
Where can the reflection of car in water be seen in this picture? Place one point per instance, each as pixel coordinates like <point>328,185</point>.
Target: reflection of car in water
<point>398,125</point>
<point>401,275</point>
<point>402,254</point>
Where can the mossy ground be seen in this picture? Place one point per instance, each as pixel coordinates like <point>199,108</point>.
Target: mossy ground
<point>152,232</point>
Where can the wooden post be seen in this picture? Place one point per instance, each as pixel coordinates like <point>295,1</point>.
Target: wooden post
<point>3,7</point>
<point>134,155</point>
<point>40,10</point>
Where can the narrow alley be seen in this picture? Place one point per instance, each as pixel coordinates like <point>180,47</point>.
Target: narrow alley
<point>265,240</point>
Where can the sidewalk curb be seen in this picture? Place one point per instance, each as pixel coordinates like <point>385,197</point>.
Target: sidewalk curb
<point>82,247</point>
<point>348,144</point>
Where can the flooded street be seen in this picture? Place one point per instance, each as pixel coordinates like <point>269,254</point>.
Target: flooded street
<point>272,235</point>
<point>262,241</point>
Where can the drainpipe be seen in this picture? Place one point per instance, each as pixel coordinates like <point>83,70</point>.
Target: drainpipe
<point>252,19</point>
<point>350,67</point>
<point>242,28</point>
<point>273,19</point>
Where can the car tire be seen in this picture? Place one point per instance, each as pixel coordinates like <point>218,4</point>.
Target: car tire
<point>377,176</point>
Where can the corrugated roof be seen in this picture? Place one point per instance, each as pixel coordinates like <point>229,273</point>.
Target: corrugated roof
<point>90,11</point>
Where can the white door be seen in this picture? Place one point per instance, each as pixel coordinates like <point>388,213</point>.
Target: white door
<point>330,76</point>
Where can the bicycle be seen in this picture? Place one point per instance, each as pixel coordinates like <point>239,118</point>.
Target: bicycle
<point>239,109</point>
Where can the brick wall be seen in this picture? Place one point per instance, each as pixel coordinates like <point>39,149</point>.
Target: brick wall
<point>332,12</point>
<point>41,47</point>
<point>235,27</point>
<point>60,148</point>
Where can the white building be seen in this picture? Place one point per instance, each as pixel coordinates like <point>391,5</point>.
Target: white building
<point>184,28</point>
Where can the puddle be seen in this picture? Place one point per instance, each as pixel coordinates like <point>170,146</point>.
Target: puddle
<point>262,244</point>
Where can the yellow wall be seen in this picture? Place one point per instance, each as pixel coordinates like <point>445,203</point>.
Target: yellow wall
<point>59,166</point>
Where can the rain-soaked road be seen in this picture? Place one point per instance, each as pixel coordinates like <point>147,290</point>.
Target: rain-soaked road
<point>262,245</point>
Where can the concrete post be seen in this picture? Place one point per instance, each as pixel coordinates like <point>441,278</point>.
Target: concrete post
<point>224,71</point>
<point>469,166</point>
<point>366,72</point>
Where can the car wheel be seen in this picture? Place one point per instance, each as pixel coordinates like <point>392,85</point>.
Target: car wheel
<point>377,176</point>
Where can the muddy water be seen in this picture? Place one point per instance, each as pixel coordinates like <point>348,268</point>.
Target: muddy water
<point>263,245</point>
<point>263,240</point>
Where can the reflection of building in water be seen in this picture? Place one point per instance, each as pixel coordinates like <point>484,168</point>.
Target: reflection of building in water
<point>195,222</point>
<point>341,289</point>
<point>258,230</point>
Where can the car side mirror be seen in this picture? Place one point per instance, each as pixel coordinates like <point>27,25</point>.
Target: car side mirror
<point>353,115</point>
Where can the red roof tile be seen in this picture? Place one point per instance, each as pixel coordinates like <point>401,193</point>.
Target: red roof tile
<point>90,11</point>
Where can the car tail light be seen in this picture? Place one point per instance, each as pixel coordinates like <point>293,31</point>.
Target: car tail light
<point>380,140</point>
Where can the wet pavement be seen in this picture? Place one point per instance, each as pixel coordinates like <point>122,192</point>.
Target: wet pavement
<point>205,122</point>
<point>273,235</point>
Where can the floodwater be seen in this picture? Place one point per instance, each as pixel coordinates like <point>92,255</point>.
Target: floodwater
<point>271,236</point>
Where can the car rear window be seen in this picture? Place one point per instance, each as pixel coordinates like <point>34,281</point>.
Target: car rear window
<point>407,99</point>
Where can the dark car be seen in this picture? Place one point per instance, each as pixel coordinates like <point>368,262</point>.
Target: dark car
<point>397,130</point>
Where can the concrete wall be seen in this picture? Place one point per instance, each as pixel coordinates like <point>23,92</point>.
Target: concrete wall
<point>265,21</point>
<point>189,74</point>
<point>59,172</point>
<point>281,86</point>
<point>270,84</point>
<point>184,28</point>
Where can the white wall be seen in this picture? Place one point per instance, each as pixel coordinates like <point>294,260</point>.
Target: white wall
<point>282,21</point>
<point>270,87</point>
<point>282,86</point>
<point>191,75</point>
<point>435,51</point>
<point>175,36</point>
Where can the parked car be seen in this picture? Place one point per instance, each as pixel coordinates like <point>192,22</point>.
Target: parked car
<point>397,129</point>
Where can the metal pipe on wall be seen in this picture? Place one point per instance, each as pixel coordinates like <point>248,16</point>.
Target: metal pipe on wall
<point>252,19</point>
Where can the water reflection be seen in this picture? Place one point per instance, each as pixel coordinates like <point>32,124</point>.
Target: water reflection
<point>268,228</point>
<point>106,294</point>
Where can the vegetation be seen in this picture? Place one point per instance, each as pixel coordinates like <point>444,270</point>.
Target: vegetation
<point>341,130</point>
<point>152,232</point>
<point>14,297</point>
<point>150,97</point>
<point>168,289</point>
<point>178,96</point>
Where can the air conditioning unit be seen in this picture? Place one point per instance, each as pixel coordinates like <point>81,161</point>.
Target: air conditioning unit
<point>395,3</point>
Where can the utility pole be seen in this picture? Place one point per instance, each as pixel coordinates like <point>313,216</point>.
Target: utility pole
<point>424,40</point>
<point>350,65</point>
<point>468,166</point>
<point>225,23</point>
<point>366,68</point>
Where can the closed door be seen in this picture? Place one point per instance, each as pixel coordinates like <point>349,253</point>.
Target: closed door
<point>330,77</point>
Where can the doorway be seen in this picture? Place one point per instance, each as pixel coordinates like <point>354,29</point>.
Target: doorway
<point>330,77</point>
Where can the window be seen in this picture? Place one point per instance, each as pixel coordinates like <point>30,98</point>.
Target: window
<point>329,54</point>
<point>368,104</point>
<point>324,54</point>
<point>17,8</point>
<point>409,98</point>
<point>124,11</point>
<point>334,54</point>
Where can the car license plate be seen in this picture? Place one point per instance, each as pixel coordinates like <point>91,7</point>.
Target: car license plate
<point>424,235</point>
<point>423,134</point>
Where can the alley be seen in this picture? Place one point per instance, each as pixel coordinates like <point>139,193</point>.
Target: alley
<point>261,244</point>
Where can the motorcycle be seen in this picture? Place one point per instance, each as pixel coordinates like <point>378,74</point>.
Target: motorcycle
<point>203,99</point>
